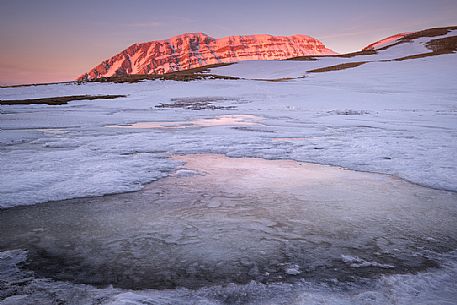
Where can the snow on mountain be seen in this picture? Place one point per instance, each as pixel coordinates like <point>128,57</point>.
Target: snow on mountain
<point>192,50</point>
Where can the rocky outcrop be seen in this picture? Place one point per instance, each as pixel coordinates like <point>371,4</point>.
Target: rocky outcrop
<point>384,42</point>
<point>193,50</point>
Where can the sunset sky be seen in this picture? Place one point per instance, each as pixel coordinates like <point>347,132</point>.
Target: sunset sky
<point>56,40</point>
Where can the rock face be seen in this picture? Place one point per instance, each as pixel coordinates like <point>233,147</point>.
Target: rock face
<point>194,50</point>
<point>384,42</point>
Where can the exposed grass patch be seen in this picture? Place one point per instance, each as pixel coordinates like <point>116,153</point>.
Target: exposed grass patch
<point>433,32</point>
<point>305,58</point>
<point>441,46</point>
<point>277,80</point>
<point>60,100</point>
<point>358,53</point>
<point>36,84</point>
<point>338,67</point>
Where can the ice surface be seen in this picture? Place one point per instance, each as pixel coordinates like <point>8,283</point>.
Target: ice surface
<point>236,220</point>
<point>223,120</point>
<point>238,232</point>
<point>357,262</point>
<point>436,286</point>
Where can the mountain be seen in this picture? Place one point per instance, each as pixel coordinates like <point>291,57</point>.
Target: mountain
<point>193,50</point>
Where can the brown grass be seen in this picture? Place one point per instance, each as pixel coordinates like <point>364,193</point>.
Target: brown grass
<point>433,32</point>
<point>338,67</point>
<point>36,84</point>
<point>438,46</point>
<point>60,100</point>
<point>276,80</point>
<point>358,53</point>
<point>305,58</point>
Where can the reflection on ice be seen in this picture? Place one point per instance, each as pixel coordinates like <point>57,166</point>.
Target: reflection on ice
<point>223,120</point>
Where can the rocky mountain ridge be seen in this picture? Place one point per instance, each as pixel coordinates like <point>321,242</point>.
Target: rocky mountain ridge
<point>193,50</point>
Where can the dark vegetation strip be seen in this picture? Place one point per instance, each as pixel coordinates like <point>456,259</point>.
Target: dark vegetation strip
<point>60,100</point>
<point>438,46</point>
<point>277,80</point>
<point>338,67</point>
<point>36,84</point>
<point>433,32</point>
<point>185,76</point>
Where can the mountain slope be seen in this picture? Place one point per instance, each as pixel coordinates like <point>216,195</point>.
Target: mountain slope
<point>385,41</point>
<point>193,50</point>
<point>400,47</point>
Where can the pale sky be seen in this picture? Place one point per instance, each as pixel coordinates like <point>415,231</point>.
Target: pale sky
<point>57,40</point>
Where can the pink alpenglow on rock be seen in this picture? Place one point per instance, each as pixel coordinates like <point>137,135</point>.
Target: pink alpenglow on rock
<point>193,50</point>
<point>384,42</point>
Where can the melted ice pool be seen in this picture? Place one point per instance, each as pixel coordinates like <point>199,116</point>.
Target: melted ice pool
<point>223,120</point>
<point>225,220</point>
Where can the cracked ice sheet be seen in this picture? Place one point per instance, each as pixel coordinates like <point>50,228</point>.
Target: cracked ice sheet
<point>397,118</point>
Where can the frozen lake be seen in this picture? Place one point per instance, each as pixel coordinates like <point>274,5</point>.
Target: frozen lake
<point>220,220</point>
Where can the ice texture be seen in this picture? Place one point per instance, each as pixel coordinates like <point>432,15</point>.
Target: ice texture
<point>234,220</point>
<point>436,286</point>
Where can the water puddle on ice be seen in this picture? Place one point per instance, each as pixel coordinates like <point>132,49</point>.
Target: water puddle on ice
<point>223,120</point>
<point>222,220</point>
